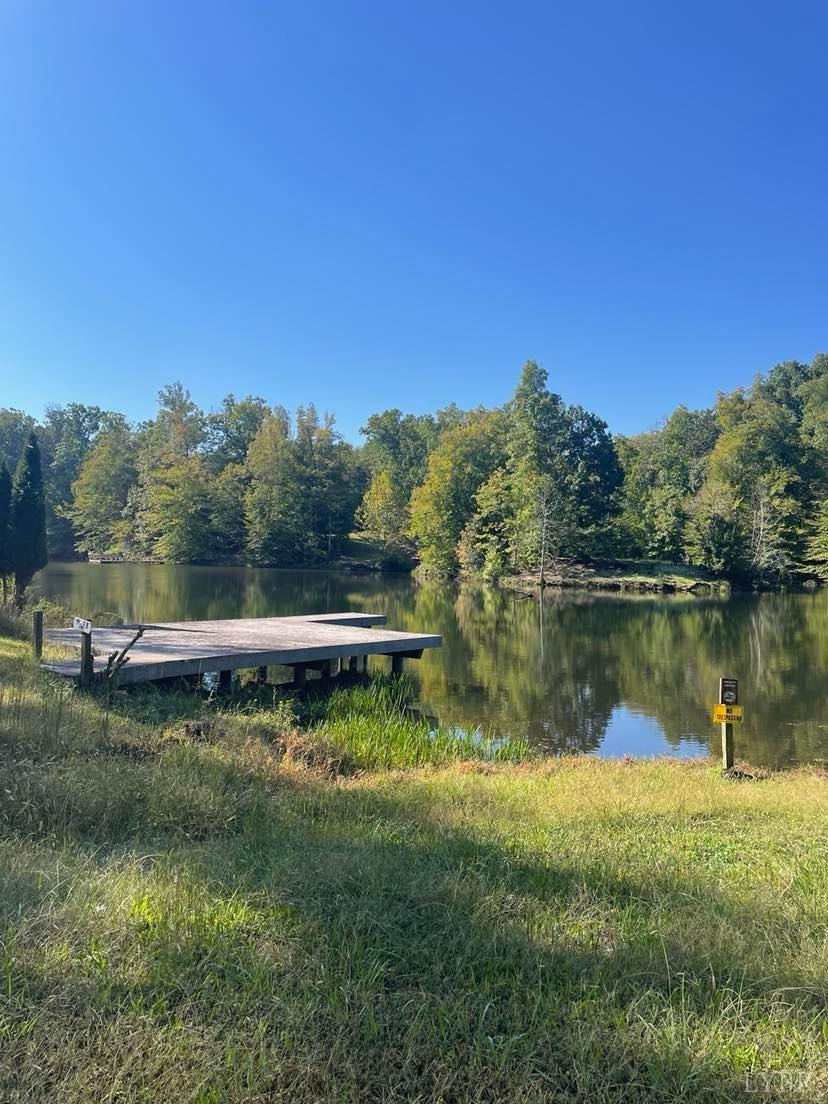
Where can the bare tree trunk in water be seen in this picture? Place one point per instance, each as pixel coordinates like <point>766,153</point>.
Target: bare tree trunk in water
<point>543,549</point>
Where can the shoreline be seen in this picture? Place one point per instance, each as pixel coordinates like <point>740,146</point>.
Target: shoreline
<point>643,577</point>
<point>620,583</point>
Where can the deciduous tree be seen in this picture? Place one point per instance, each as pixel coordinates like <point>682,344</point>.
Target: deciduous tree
<point>100,494</point>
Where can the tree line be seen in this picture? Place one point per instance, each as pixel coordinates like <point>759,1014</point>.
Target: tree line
<point>740,489</point>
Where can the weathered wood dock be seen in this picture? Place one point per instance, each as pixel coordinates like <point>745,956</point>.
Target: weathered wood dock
<point>179,649</point>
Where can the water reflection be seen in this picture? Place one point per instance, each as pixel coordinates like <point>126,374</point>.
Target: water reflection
<point>575,673</point>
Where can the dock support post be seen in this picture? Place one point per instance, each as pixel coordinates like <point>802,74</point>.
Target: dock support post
<point>396,664</point>
<point>225,680</point>
<point>86,663</point>
<point>37,633</point>
<point>299,675</point>
<point>352,664</point>
<point>365,664</point>
<point>328,669</point>
<point>261,675</point>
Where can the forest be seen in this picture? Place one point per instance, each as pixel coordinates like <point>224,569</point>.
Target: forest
<point>740,489</point>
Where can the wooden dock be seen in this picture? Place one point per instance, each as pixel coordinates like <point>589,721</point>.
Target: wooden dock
<point>180,649</point>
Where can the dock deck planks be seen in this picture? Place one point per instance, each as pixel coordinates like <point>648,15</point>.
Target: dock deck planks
<point>179,648</point>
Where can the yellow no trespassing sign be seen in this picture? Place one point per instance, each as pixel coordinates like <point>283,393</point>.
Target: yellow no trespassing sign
<point>728,714</point>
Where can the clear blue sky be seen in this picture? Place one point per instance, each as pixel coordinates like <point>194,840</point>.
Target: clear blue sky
<point>368,205</point>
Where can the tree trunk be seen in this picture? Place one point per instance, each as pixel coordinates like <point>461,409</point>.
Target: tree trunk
<point>543,550</point>
<point>19,598</point>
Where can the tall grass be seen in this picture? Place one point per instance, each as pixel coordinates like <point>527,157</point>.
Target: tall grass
<point>374,727</point>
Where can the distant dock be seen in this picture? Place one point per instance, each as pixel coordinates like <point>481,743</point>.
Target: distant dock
<point>186,649</point>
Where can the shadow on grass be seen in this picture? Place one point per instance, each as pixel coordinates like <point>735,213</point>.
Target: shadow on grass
<point>344,943</point>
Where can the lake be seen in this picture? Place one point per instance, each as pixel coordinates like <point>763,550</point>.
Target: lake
<point>578,672</point>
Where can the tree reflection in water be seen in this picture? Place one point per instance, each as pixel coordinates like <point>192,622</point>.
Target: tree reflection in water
<point>557,671</point>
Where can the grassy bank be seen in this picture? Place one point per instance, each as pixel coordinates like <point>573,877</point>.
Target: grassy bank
<point>208,901</point>
<point>635,575</point>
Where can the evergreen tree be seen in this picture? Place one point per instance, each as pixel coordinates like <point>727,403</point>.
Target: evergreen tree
<point>28,519</point>
<point>5,529</point>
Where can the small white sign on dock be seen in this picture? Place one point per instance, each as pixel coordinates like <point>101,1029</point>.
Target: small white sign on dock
<point>82,624</point>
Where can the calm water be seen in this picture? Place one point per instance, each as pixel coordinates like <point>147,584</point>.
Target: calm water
<point>574,673</point>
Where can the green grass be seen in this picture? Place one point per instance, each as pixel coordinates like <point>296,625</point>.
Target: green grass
<point>362,549</point>
<point>209,902</point>
<point>623,575</point>
<point>663,571</point>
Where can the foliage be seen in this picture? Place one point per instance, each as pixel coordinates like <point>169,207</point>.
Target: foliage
<point>555,492</point>
<point>15,427</point>
<point>227,527</point>
<point>177,509</point>
<point>737,488</point>
<point>27,526</point>
<point>383,512</point>
<point>399,444</point>
<point>487,543</point>
<point>396,452</point>
<point>443,504</point>
<point>101,492</point>
<point>715,535</point>
<point>662,470</point>
<point>817,547</point>
<point>231,430</point>
<point>68,434</point>
<point>5,528</point>
<point>303,492</point>
<point>178,428</point>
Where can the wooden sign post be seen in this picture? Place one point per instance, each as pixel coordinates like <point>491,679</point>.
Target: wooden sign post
<point>87,664</point>
<point>37,633</point>
<point>728,712</point>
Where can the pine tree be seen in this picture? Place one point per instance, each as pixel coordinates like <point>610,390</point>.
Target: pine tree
<point>28,520</point>
<point>5,532</point>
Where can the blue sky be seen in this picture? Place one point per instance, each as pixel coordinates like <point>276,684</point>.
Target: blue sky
<point>368,205</point>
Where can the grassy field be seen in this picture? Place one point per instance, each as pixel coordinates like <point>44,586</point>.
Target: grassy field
<point>208,901</point>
